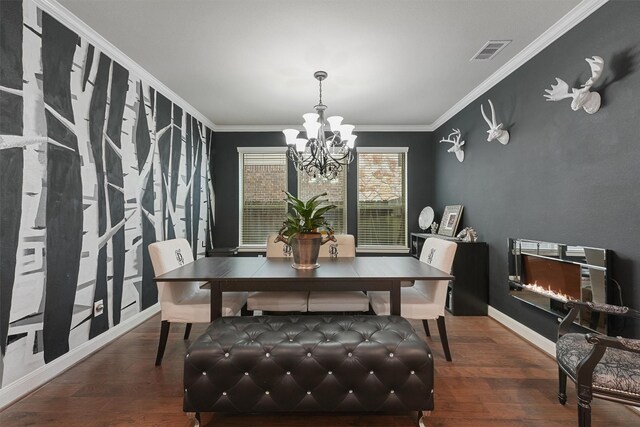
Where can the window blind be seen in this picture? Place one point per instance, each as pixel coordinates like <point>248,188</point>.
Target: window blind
<point>336,190</point>
<point>263,209</point>
<point>382,205</point>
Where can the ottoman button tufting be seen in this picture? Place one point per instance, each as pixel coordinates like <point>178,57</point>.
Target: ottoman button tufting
<point>303,336</point>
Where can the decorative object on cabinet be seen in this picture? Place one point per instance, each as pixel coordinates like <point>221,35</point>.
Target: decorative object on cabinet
<point>583,97</point>
<point>425,219</point>
<point>468,294</point>
<point>468,234</point>
<point>450,220</point>
<point>495,130</point>
<point>434,227</point>
<point>454,138</point>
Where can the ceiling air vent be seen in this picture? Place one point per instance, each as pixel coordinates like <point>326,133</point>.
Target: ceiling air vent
<point>490,50</point>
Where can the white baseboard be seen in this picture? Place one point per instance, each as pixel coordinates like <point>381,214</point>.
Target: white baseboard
<point>530,335</point>
<point>19,388</point>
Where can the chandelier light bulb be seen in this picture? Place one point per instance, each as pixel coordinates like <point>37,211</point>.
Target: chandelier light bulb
<point>334,122</point>
<point>345,131</point>
<point>301,144</point>
<point>291,135</point>
<point>311,117</point>
<point>351,142</point>
<point>312,129</point>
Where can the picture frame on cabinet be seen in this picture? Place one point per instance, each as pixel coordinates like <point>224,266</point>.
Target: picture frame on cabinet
<point>450,220</point>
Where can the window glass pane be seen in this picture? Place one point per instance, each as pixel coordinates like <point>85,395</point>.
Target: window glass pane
<point>336,190</point>
<point>264,177</point>
<point>381,199</point>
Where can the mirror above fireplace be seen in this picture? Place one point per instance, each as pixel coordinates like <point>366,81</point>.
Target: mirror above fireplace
<point>546,275</point>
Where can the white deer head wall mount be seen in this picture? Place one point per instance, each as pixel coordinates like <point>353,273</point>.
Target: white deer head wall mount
<point>495,130</point>
<point>583,97</point>
<point>454,138</point>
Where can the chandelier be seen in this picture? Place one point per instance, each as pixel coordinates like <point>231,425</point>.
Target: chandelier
<point>323,153</point>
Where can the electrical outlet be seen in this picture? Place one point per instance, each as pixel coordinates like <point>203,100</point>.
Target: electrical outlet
<point>98,308</point>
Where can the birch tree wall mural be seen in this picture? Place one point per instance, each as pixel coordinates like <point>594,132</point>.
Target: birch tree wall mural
<point>94,166</point>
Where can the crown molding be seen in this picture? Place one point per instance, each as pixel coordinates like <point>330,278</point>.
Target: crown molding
<point>359,128</point>
<point>62,14</point>
<point>567,22</point>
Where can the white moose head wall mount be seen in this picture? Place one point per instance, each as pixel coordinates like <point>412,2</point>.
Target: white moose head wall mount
<point>454,138</point>
<point>495,130</point>
<point>583,97</point>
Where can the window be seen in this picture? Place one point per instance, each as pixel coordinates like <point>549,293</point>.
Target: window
<point>336,190</point>
<point>382,199</point>
<point>263,177</point>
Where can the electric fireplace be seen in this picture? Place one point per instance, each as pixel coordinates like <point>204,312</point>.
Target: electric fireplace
<point>547,275</point>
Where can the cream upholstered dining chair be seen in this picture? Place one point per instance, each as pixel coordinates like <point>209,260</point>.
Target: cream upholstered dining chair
<point>425,299</point>
<point>184,302</point>
<point>341,301</point>
<point>277,300</point>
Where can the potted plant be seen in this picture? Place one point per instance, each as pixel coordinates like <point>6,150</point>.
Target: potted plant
<point>305,229</point>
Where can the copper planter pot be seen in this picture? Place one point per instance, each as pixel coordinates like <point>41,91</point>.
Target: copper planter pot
<point>305,248</point>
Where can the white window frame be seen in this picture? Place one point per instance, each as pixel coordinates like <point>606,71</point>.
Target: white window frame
<point>378,248</point>
<point>241,152</point>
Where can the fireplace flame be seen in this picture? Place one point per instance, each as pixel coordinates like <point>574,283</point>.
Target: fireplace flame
<point>548,292</point>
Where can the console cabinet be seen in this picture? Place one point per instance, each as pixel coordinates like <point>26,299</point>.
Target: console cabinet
<point>468,294</point>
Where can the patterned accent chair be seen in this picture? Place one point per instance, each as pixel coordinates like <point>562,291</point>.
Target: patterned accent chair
<point>425,299</point>
<point>184,302</point>
<point>599,365</point>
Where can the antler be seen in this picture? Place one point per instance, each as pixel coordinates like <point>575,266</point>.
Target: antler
<point>558,91</point>
<point>486,119</point>
<point>456,134</point>
<point>597,65</point>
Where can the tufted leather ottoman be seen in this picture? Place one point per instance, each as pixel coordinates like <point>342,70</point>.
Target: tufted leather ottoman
<point>308,363</point>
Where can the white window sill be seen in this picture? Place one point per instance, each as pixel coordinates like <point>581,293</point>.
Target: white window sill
<point>248,248</point>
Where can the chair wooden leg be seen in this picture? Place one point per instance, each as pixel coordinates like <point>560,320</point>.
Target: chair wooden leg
<point>244,311</point>
<point>562,386</point>
<point>584,413</point>
<point>426,327</point>
<point>187,331</point>
<point>164,334</point>
<point>442,329</point>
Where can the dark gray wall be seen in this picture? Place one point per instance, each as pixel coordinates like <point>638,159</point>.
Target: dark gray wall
<point>565,176</point>
<point>420,175</point>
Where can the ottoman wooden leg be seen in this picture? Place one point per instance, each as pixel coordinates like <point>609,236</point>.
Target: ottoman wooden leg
<point>195,417</point>
<point>422,415</point>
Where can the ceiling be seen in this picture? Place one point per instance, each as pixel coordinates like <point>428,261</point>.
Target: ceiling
<point>391,63</point>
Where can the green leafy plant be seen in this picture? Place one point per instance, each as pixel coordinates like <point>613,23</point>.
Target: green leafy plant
<point>305,217</point>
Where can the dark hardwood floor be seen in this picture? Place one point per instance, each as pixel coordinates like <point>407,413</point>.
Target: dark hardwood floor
<point>496,379</point>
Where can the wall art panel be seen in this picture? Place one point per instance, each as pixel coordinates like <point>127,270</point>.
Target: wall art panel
<point>94,166</point>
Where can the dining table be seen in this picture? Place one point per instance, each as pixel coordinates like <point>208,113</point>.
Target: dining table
<point>362,273</point>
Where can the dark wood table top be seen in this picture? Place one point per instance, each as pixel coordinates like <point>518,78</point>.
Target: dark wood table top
<point>331,269</point>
